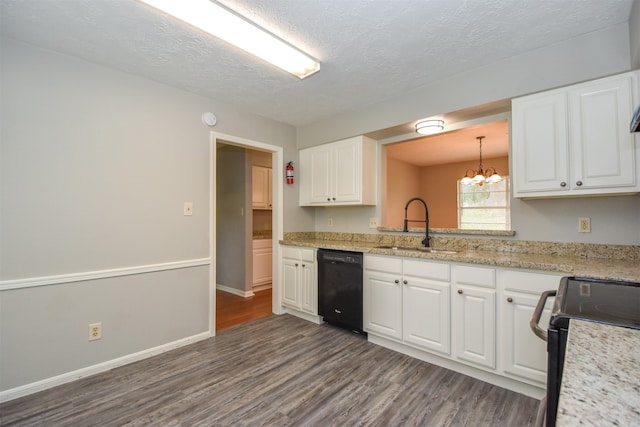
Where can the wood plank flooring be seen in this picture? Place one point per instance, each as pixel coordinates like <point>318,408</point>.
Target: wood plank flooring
<point>233,310</point>
<point>275,371</point>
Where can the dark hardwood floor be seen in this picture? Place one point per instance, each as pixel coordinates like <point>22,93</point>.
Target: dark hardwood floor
<point>233,310</point>
<point>275,371</point>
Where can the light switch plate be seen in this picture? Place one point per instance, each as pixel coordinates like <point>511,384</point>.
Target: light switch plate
<point>188,208</point>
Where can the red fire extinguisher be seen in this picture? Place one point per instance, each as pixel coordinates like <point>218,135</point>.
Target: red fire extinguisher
<point>290,173</point>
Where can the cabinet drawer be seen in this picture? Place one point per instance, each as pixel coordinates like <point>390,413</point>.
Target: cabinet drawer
<point>262,243</point>
<point>524,281</point>
<point>476,276</point>
<point>391,265</point>
<point>290,252</point>
<point>308,255</point>
<point>427,270</point>
<point>302,254</point>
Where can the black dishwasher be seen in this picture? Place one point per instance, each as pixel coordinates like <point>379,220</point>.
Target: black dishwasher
<point>340,288</point>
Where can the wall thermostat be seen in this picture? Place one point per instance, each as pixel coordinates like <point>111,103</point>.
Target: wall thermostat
<point>209,119</point>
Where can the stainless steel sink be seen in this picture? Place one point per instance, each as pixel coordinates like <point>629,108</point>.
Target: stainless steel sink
<point>419,248</point>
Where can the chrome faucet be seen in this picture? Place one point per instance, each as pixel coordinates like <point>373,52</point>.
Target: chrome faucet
<point>425,242</point>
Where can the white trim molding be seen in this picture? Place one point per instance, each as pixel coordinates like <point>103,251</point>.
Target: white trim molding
<point>67,377</point>
<point>234,291</point>
<point>30,282</point>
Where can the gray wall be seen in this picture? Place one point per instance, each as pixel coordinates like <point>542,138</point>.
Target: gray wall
<point>615,220</point>
<point>231,216</point>
<point>95,167</point>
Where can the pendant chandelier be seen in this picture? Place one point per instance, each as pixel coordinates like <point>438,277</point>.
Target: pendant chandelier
<point>480,176</point>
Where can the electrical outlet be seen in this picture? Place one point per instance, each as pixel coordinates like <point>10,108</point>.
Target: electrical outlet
<point>584,225</point>
<point>188,208</point>
<point>330,222</point>
<point>373,222</point>
<point>95,331</point>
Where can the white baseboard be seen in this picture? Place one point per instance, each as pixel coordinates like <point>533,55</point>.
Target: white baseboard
<point>47,383</point>
<point>243,294</point>
<point>263,287</point>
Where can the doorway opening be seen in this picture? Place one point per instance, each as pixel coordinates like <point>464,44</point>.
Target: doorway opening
<point>235,291</point>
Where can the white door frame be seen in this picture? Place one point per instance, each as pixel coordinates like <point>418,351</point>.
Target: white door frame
<point>277,162</point>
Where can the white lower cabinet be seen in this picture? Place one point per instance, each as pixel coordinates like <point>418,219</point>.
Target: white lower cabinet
<point>382,293</point>
<point>474,315</point>
<point>408,300</point>
<point>262,257</point>
<point>466,317</point>
<point>299,279</point>
<point>524,354</point>
<point>425,305</point>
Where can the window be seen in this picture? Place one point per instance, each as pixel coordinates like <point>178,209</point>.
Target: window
<point>484,207</point>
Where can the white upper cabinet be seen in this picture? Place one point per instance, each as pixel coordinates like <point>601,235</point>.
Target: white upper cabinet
<point>339,173</point>
<point>261,187</point>
<point>575,141</point>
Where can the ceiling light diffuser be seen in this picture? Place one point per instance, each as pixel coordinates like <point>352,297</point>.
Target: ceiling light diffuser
<point>428,127</point>
<point>220,22</point>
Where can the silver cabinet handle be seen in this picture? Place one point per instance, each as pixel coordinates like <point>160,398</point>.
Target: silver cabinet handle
<point>460,291</point>
<point>563,184</point>
<point>578,183</point>
<point>509,299</point>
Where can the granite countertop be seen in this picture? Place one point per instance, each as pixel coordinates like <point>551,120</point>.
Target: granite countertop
<point>566,264</point>
<point>261,234</point>
<point>600,381</point>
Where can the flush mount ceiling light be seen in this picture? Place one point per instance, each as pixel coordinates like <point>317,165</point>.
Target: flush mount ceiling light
<point>429,127</point>
<point>479,177</point>
<point>232,28</point>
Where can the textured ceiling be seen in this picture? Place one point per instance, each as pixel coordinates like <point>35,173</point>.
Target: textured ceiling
<point>369,50</point>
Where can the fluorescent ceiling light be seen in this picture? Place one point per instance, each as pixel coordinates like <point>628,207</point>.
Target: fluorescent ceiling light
<point>222,23</point>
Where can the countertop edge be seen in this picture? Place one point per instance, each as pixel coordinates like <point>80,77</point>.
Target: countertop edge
<point>604,269</point>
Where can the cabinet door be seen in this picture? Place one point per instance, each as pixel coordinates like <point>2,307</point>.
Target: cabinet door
<point>525,354</point>
<point>320,179</point>
<point>262,266</point>
<point>474,325</point>
<point>290,283</point>
<point>261,187</point>
<point>540,148</point>
<point>382,304</point>
<point>426,314</point>
<point>348,170</point>
<point>309,288</point>
<point>603,147</point>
